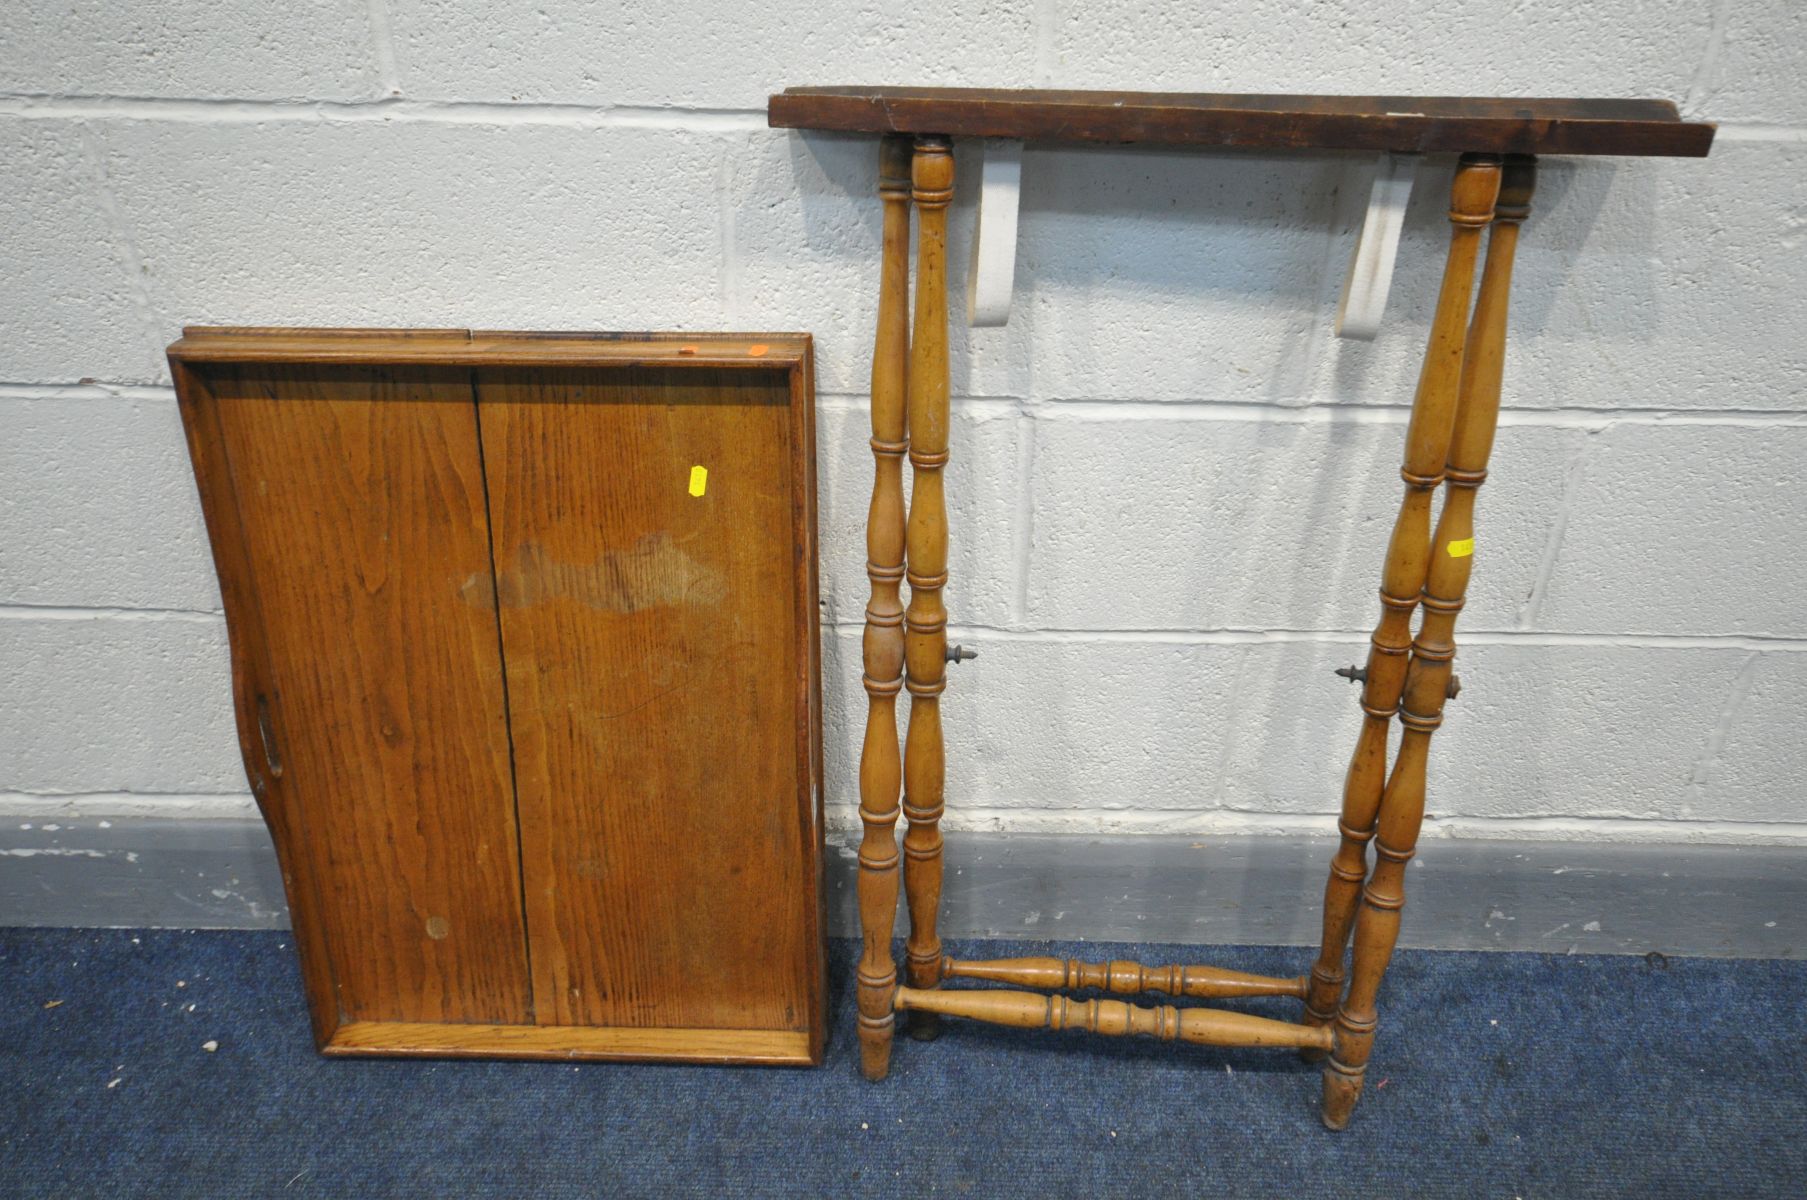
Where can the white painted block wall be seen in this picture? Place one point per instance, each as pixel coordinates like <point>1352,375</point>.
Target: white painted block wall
<point>1171,486</point>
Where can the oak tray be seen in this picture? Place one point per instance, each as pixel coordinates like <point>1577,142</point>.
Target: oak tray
<point>524,659</point>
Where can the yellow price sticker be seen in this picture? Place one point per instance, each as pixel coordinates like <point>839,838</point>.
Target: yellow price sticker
<point>1461,549</point>
<point>699,480</point>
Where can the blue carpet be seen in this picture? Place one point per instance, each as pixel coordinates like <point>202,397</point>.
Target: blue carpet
<point>1495,1075</point>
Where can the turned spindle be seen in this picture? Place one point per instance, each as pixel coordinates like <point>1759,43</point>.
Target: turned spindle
<point>1433,651</point>
<point>1121,977</point>
<point>881,768</point>
<point>925,620</point>
<point>1113,1018</point>
<point>1402,579</point>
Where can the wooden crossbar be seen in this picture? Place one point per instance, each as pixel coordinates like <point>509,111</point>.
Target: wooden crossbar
<point>1114,1018</point>
<point>1123,977</point>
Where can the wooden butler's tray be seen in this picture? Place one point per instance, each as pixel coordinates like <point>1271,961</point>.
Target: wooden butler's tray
<point>524,657</point>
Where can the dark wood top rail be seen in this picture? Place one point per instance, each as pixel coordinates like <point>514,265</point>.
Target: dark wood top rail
<point>1404,123</point>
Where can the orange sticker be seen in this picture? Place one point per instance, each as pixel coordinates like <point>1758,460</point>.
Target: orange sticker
<point>758,350</point>
<point>687,349</point>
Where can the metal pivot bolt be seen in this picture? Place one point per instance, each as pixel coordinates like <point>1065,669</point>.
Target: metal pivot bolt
<point>1360,675</point>
<point>959,654</point>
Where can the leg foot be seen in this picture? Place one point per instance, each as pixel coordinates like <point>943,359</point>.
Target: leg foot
<point>875,1047</point>
<point>1342,1088</point>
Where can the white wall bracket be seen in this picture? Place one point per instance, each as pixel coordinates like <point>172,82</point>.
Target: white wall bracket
<point>1370,275</point>
<point>992,274</point>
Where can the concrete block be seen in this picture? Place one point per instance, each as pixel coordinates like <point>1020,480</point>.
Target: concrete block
<point>101,509</point>
<point>1755,776</point>
<point>1616,48</point>
<point>1174,275</point>
<point>724,56</point>
<point>423,224</point>
<point>1649,284</point>
<point>982,507</point>
<point>1684,530</point>
<point>1223,524</point>
<point>70,303</point>
<point>264,50</point>
<point>1538,731</point>
<point>110,704</point>
<point>1756,74</point>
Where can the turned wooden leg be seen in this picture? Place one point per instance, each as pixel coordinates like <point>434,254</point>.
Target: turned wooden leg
<point>1428,677</point>
<point>881,770</point>
<point>1408,561</point>
<point>925,621</point>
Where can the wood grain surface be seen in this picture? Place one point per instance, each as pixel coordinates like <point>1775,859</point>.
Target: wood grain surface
<point>1299,122</point>
<point>360,496</point>
<point>526,676</point>
<point>403,1040</point>
<point>650,636</point>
